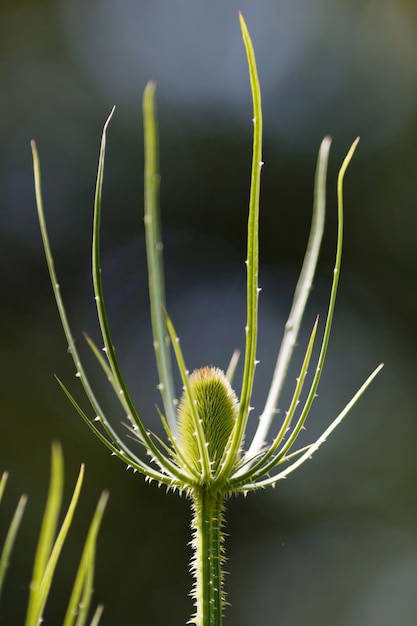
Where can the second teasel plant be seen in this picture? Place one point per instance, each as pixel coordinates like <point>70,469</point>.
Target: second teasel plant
<point>206,455</point>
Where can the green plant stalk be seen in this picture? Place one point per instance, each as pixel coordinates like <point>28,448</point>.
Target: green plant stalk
<point>208,557</point>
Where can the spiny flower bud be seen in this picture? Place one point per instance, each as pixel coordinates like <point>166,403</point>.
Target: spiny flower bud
<point>217,408</point>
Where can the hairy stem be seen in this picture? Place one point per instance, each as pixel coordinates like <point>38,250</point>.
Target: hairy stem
<point>208,557</point>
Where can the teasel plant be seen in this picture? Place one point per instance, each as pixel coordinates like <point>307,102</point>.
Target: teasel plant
<point>205,454</point>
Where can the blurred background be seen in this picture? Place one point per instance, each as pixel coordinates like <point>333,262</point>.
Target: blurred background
<point>336,543</point>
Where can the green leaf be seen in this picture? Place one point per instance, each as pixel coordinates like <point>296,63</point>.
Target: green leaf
<point>49,546</point>
<point>12,531</point>
<point>80,600</point>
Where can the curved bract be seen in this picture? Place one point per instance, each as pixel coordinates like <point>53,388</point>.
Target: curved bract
<point>204,453</point>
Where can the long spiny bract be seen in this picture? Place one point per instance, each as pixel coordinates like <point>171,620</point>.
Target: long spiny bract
<point>301,294</point>
<point>154,248</point>
<point>252,268</point>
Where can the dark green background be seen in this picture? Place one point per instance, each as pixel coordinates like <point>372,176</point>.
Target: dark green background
<point>335,544</point>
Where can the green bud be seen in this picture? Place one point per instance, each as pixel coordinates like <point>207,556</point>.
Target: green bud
<point>217,408</point>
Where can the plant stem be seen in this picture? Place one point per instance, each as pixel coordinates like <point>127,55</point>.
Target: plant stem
<point>208,558</point>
